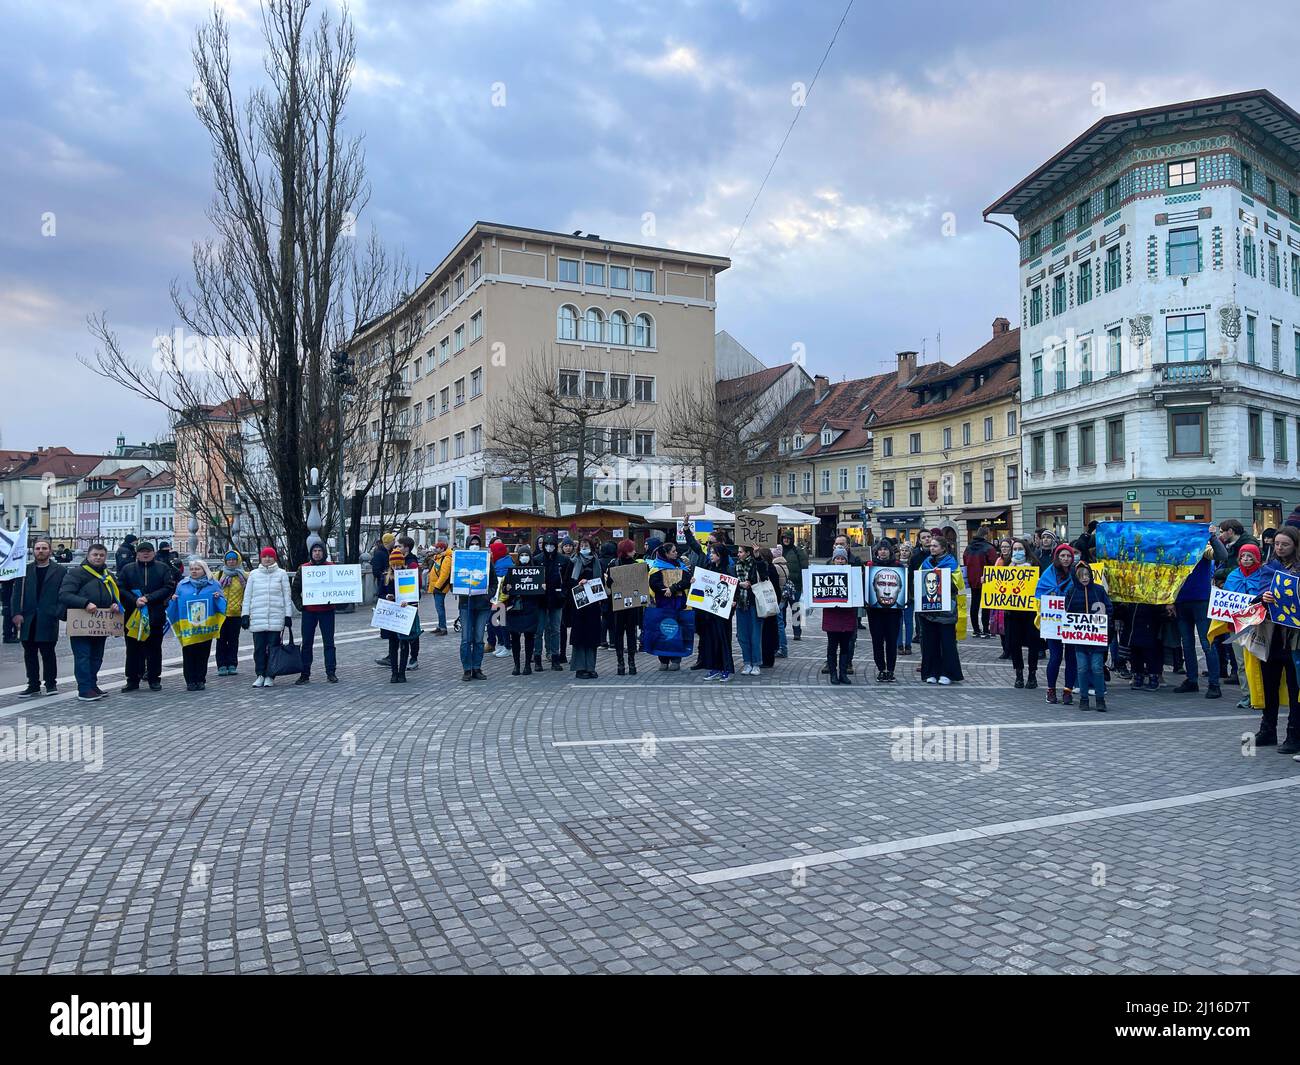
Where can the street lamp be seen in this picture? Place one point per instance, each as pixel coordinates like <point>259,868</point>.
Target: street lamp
<point>313,514</point>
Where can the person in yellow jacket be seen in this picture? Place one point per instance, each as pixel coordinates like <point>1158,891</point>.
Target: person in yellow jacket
<point>233,578</point>
<point>440,583</point>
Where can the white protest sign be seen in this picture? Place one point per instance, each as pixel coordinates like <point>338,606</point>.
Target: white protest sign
<point>1051,609</point>
<point>591,592</point>
<point>406,585</point>
<point>712,592</point>
<point>1090,630</point>
<point>322,585</point>
<point>933,590</point>
<point>832,586</point>
<point>1225,605</point>
<point>393,617</point>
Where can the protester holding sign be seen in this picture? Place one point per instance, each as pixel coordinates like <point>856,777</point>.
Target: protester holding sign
<point>267,611</point>
<point>909,611</point>
<point>1058,580</point>
<point>625,622</point>
<point>399,643</point>
<point>1282,642</point>
<point>840,623</point>
<point>196,612</point>
<point>1246,579</point>
<point>232,579</point>
<point>470,581</point>
<point>90,587</point>
<point>749,571</point>
<point>1089,598</point>
<point>940,663</point>
<point>886,599</point>
<point>315,616</point>
<point>588,622</point>
<point>36,617</point>
<point>519,594</point>
<point>1020,632</point>
<point>668,627</point>
<point>714,630</point>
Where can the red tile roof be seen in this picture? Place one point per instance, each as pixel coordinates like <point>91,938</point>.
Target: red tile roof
<point>737,388</point>
<point>999,358</point>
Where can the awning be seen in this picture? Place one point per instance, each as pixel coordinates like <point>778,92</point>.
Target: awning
<point>789,516</point>
<point>986,514</point>
<point>910,517</point>
<point>709,513</point>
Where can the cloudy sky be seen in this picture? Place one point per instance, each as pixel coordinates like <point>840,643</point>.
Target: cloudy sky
<point>613,111</point>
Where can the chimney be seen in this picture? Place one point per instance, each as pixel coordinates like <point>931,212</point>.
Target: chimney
<point>1001,327</point>
<point>906,367</point>
<point>821,385</point>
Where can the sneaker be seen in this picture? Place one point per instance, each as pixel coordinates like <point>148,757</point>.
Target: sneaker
<point>1051,696</point>
<point>155,685</point>
<point>1153,682</point>
<point>93,697</point>
<point>257,681</point>
<point>826,669</point>
<point>931,680</point>
<point>723,677</point>
<point>1137,684</point>
<point>663,667</point>
<point>1032,682</point>
<point>52,689</point>
<point>332,678</point>
<point>302,679</point>
<point>756,671</point>
<point>501,652</point>
<point>130,686</point>
<point>467,675</point>
<point>412,664</point>
<point>1067,696</point>
<point>268,682</point>
<point>673,667</point>
<point>1020,681</point>
<point>477,674</point>
<point>386,662</point>
<point>782,654</point>
<point>714,675</point>
<point>944,680</point>
<point>190,686</point>
<point>1214,692</point>
<point>1244,702</point>
<point>29,691</point>
<point>1187,686</point>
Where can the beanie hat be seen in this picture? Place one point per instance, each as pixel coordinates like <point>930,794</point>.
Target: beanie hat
<point>232,556</point>
<point>1248,549</point>
<point>840,552</point>
<point>653,544</point>
<point>396,558</point>
<point>387,539</point>
<point>267,552</point>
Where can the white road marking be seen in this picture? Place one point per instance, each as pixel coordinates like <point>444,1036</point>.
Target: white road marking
<point>1006,828</point>
<point>723,737</point>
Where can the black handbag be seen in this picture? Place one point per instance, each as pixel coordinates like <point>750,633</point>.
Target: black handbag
<point>285,659</point>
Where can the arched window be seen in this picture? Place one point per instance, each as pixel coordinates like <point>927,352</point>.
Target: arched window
<point>618,328</point>
<point>643,331</point>
<point>593,326</point>
<point>567,323</point>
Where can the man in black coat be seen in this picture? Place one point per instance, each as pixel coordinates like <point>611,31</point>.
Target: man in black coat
<point>89,587</point>
<point>36,602</point>
<point>125,554</point>
<point>146,584</point>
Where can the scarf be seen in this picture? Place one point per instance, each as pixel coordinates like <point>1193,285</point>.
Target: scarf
<point>104,578</point>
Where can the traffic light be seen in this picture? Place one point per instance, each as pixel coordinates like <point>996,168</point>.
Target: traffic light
<point>342,368</point>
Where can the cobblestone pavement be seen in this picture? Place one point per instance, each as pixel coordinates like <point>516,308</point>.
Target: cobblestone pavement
<point>649,823</point>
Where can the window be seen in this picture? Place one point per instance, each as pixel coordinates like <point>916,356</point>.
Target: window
<point>645,390</point>
<point>827,436</point>
<point>1058,357</point>
<point>789,484</point>
<point>618,328</point>
<point>595,385</point>
<point>1113,275</point>
<point>1295,274</point>
<point>643,331</point>
<point>1035,242</point>
<point>1013,482</point>
<point>797,445</point>
<point>458,446</point>
<point>460,391</point>
<point>988,485</point>
<point>476,327</point>
<point>1186,433</point>
<point>1247,177</point>
<point>1036,305</point>
<point>887,443</point>
<point>644,280</point>
<point>444,350</point>
<point>807,483</point>
<point>758,486</point>
<point>947,438</point>
<point>620,442</point>
<point>1036,375</point>
<point>1011,423</point>
<point>1249,263</point>
<point>1114,439</point>
<point>593,326</point>
<point>1279,438</point>
<point>476,383</point>
<point>458,340</point>
<point>442,449</point>
<point>618,277</point>
<point>1037,453</point>
<point>460,285</point>
<point>1250,339</point>
<point>619,386</point>
<point>1060,449</point>
<point>914,444</point>
<point>444,401</point>
<point>946,499</point>
<point>415,373</point>
<point>1183,173</point>
<point>429,411</point>
<point>988,429</point>
<point>1295,340</point>
<point>965,434</point>
<point>967,488</point>
<point>1082,214</point>
<point>1275,346</point>
<point>476,268</point>
<point>593,274</point>
<point>568,382</point>
<point>826,480</point>
<point>1085,360</point>
<point>1058,295</point>
<point>1184,337</point>
<point>645,442</point>
<point>914,492</point>
<point>1255,434</point>
<point>568,271</point>
<point>1274,268</point>
<point>1087,445</point>
<point>776,486</point>
<point>1183,251</point>
<point>1111,196</point>
<point>862,478</point>
<point>887,493</point>
<point>1058,229</point>
<point>1270,187</point>
<point>1083,290</point>
<point>844,478</point>
<point>1114,352</point>
<point>476,440</point>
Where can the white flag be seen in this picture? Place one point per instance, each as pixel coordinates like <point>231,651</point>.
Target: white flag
<point>13,553</point>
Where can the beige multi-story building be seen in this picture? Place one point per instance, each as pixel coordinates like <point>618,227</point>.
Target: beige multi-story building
<point>607,318</point>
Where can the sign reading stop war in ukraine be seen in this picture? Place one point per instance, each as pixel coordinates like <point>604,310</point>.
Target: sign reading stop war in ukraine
<point>330,584</point>
<point>1009,588</point>
<point>1090,630</point>
<point>833,586</point>
<point>1226,605</point>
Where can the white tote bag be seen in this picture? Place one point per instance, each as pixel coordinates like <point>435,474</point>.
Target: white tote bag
<point>765,601</point>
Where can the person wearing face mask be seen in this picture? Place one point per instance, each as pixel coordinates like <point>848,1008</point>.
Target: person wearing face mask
<point>315,617</point>
<point>551,605</point>
<point>1058,580</point>
<point>1087,597</point>
<point>521,615</point>
<point>1021,633</point>
<point>940,663</point>
<point>267,611</point>
<point>36,618</point>
<point>232,579</point>
<point>1283,642</point>
<point>588,623</point>
<point>625,622</point>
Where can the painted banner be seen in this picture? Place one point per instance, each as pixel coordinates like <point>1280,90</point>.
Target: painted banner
<point>100,623</point>
<point>524,580</point>
<point>1147,561</point>
<point>591,592</point>
<point>1225,605</point>
<point>629,586</point>
<point>469,572</point>
<point>13,552</point>
<point>712,592</point>
<point>1285,608</point>
<point>832,586</point>
<point>933,592</point>
<point>1051,610</point>
<point>393,617</point>
<point>406,586</point>
<point>196,617</point>
<point>1089,630</point>
<point>886,587</point>
<point>330,584</point>
<point>1009,588</point>
<point>755,530</point>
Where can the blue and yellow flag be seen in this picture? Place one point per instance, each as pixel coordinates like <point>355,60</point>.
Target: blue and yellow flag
<point>1147,561</point>
<point>196,612</point>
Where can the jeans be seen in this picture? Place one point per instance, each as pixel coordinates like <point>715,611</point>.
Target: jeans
<point>440,605</point>
<point>749,632</point>
<point>548,627</point>
<point>1193,624</point>
<point>311,621</point>
<point>38,655</point>
<point>87,657</point>
<point>1056,652</point>
<point>473,622</point>
<point>1090,664</point>
<point>780,631</point>
<point>908,619</point>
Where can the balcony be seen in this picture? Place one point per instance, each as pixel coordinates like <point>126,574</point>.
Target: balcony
<point>398,432</point>
<point>1194,374</point>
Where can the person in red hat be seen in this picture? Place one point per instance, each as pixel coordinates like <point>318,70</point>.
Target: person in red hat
<point>267,611</point>
<point>626,622</point>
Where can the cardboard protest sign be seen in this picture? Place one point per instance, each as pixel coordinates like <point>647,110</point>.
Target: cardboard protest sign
<point>1051,609</point>
<point>629,586</point>
<point>755,530</point>
<point>1225,605</point>
<point>469,572</point>
<point>393,617</point>
<point>933,591</point>
<point>406,585</point>
<point>714,593</point>
<point>100,623</point>
<point>1285,608</point>
<point>886,587</point>
<point>832,586</point>
<point>524,580</point>
<point>591,592</point>
<point>1089,630</point>
<point>330,584</point>
<point>1009,588</point>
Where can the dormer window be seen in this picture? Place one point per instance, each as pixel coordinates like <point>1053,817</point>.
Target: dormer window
<point>798,441</point>
<point>826,437</point>
<point>784,445</point>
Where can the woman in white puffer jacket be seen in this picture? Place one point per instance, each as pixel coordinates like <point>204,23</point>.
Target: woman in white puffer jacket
<point>268,609</point>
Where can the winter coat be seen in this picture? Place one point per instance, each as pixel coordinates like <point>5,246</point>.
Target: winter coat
<point>268,600</point>
<point>40,613</point>
<point>978,554</point>
<point>232,585</point>
<point>1230,563</point>
<point>379,562</point>
<point>1083,597</point>
<point>753,571</point>
<point>440,573</point>
<point>587,621</point>
<point>1196,589</point>
<point>124,556</point>
<point>82,586</point>
<point>797,559</point>
<point>155,581</point>
<point>296,585</point>
<point>554,568</point>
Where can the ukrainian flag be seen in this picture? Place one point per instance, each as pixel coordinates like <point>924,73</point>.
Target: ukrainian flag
<point>1147,561</point>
